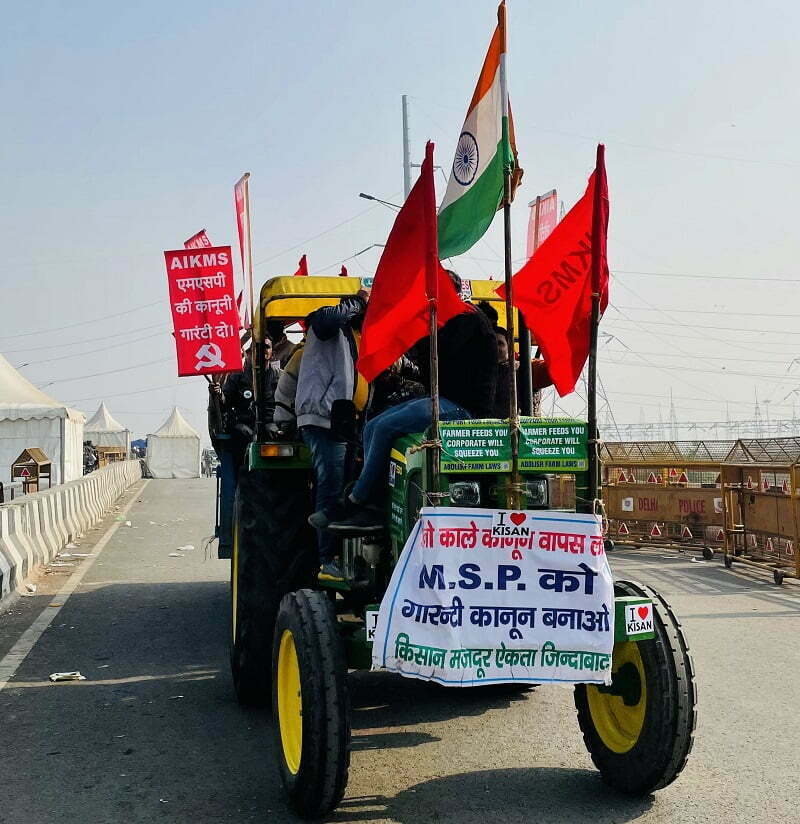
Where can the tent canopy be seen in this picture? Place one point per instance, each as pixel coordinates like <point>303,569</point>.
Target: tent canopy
<point>103,430</point>
<point>103,421</point>
<point>29,418</point>
<point>175,426</point>
<point>173,450</point>
<point>21,400</point>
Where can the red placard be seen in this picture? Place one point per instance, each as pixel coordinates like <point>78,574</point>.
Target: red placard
<point>198,241</point>
<point>547,220</point>
<point>204,311</point>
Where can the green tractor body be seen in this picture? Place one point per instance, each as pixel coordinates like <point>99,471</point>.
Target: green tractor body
<point>295,635</point>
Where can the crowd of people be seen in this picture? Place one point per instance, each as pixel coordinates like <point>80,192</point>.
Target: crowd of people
<point>314,390</point>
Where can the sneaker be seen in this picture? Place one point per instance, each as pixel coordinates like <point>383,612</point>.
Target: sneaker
<point>318,519</point>
<point>330,572</point>
<point>363,520</point>
<point>322,517</point>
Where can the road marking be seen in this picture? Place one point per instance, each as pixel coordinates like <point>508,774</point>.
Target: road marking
<point>28,640</point>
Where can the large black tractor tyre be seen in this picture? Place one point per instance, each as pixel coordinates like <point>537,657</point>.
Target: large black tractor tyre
<point>311,706</point>
<point>274,552</point>
<point>640,730</point>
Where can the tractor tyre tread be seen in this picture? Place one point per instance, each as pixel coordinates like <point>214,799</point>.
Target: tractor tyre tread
<point>320,783</point>
<point>277,554</point>
<point>667,738</point>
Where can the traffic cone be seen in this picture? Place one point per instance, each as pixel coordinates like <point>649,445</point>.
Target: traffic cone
<point>765,485</point>
<point>770,547</point>
<point>749,483</point>
<point>785,486</point>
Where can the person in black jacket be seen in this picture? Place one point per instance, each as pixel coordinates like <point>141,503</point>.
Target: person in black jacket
<point>467,383</point>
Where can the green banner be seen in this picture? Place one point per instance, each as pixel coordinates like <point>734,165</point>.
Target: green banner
<point>546,445</point>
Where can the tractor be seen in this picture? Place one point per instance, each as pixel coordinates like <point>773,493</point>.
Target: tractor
<point>294,636</point>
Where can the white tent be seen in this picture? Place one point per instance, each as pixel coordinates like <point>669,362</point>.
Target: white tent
<point>29,417</point>
<point>102,430</point>
<point>173,450</point>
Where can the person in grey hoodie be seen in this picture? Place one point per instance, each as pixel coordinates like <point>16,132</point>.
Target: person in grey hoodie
<point>328,374</point>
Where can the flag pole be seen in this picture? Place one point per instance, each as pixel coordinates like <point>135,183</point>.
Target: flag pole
<point>256,346</point>
<point>514,497</point>
<point>536,397</point>
<point>597,264</point>
<point>432,291</point>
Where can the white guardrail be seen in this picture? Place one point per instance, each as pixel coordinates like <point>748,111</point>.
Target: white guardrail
<point>33,528</point>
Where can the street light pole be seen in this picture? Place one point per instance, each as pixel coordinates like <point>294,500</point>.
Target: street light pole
<point>406,151</point>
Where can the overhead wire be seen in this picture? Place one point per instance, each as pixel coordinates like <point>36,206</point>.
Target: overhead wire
<point>91,351</point>
<point>93,319</point>
<point>101,374</point>
<point>61,345</point>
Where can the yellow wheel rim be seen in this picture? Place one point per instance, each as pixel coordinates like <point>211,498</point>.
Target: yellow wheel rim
<point>290,702</point>
<point>619,724</point>
<point>234,579</point>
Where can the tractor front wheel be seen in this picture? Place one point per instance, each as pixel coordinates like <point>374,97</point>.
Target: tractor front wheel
<point>311,707</point>
<point>640,729</point>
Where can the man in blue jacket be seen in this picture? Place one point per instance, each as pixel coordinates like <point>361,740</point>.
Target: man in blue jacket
<point>328,374</point>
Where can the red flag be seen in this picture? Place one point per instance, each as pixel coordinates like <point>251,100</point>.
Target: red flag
<point>198,241</point>
<point>397,313</point>
<point>240,197</point>
<point>553,290</point>
<point>343,273</point>
<point>302,268</point>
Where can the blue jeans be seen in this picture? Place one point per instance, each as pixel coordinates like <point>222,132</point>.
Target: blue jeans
<point>380,433</point>
<point>327,457</point>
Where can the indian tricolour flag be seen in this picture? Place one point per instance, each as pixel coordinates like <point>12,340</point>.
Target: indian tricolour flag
<point>485,146</point>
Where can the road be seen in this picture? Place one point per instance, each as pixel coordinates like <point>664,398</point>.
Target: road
<point>154,734</point>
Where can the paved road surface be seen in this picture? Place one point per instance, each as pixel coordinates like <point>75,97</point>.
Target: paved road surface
<point>154,734</point>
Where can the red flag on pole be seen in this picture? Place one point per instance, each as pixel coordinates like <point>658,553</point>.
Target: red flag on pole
<point>343,273</point>
<point>302,268</point>
<point>241,223</point>
<point>397,313</point>
<point>198,241</point>
<point>553,290</point>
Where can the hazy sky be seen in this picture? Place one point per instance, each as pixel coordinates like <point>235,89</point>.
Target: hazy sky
<point>127,126</point>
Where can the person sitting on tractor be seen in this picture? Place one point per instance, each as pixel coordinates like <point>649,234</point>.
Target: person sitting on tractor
<point>467,382</point>
<point>236,399</point>
<point>540,376</point>
<point>328,383</point>
<point>282,347</point>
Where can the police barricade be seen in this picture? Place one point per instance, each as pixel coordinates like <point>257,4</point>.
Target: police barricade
<point>761,487</point>
<point>665,493</point>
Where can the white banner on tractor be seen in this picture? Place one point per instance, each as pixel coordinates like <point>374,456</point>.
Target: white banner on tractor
<point>485,596</point>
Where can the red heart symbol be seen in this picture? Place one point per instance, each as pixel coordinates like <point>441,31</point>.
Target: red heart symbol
<point>643,612</point>
<point>517,518</point>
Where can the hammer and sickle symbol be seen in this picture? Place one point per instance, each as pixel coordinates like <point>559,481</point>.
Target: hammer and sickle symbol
<point>208,355</point>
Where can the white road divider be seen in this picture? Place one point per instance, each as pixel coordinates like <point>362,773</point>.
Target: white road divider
<point>36,527</point>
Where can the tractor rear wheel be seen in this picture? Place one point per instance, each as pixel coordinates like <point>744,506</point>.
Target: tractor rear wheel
<point>273,553</point>
<point>311,707</point>
<point>640,730</point>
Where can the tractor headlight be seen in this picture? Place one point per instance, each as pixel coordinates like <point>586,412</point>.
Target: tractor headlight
<point>465,493</point>
<point>535,493</point>
<point>276,450</point>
